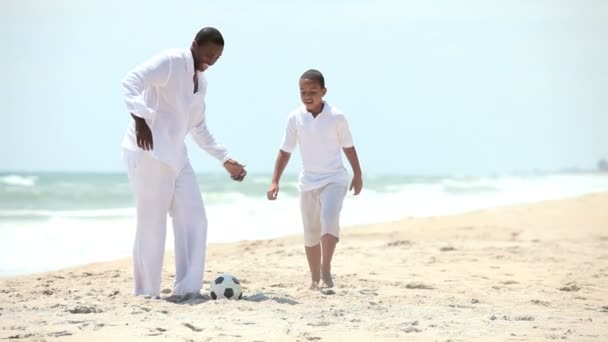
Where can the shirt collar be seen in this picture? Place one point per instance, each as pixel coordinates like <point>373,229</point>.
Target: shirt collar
<point>324,110</point>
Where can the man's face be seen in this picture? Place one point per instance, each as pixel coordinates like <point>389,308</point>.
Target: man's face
<point>312,94</point>
<point>206,55</point>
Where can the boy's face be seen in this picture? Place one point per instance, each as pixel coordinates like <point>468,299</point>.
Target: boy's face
<point>312,94</point>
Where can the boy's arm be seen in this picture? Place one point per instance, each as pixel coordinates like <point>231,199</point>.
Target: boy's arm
<point>290,139</point>
<point>357,182</point>
<point>279,167</point>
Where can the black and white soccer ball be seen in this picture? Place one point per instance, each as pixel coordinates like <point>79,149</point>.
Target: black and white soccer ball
<point>226,286</point>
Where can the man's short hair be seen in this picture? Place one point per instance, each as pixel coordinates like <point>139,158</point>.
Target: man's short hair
<point>209,35</point>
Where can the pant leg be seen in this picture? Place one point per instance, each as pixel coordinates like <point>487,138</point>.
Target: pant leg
<point>310,207</point>
<point>153,183</point>
<point>332,198</point>
<point>190,231</point>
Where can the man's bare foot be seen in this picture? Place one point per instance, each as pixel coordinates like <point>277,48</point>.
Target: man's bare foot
<point>326,276</point>
<point>314,286</point>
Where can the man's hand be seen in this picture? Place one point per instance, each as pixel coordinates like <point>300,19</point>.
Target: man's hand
<point>273,192</point>
<point>235,169</point>
<point>356,184</point>
<point>143,133</point>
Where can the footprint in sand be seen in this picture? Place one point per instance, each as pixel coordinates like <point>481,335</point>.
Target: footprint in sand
<point>192,327</point>
<point>408,330</point>
<point>570,288</point>
<point>319,324</point>
<point>84,310</point>
<point>540,302</point>
<point>308,337</point>
<point>157,331</point>
<point>399,243</point>
<point>261,297</point>
<point>18,336</point>
<point>368,292</point>
<point>281,285</point>
<point>60,333</point>
<point>419,286</point>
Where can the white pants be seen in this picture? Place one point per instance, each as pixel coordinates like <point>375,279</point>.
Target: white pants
<point>321,212</point>
<point>159,190</point>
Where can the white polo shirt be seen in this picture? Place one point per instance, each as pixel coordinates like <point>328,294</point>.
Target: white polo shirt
<point>161,91</point>
<point>321,140</point>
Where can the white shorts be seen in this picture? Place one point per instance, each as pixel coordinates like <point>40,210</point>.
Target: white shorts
<point>321,212</point>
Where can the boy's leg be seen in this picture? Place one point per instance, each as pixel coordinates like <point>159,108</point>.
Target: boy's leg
<point>153,183</point>
<point>313,255</point>
<point>190,231</point>
<point>332,198</point>
<point>328,246</point>
<point>310,209</point>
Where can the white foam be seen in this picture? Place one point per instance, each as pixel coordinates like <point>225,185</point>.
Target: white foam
<point>93,213</point>
<point>16,180</point>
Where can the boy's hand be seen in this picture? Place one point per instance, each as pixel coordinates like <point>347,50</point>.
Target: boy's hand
<point>273,192</point>
<point>235,169</point>
<point>356,184</point>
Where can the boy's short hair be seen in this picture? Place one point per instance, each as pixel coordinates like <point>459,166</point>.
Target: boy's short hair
<point>209,35</point>
<point>314,75</point>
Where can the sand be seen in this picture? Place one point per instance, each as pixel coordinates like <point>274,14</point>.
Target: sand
<point>523,273</point>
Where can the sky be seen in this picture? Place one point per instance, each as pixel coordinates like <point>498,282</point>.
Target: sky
<point>428,87</point>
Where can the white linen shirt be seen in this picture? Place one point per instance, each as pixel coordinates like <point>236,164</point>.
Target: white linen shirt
<point>321,140</point>
<point>161,91</point>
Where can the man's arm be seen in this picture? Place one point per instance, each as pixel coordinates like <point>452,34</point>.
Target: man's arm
<point>279,167</point>
<point>205,140</point>
<point>357,182</point>
<point>153,72</point>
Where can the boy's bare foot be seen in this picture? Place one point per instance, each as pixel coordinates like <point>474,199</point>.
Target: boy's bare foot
<point>326,276</point>
<point>314,286</point>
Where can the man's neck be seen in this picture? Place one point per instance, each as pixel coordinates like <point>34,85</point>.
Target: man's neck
<point>194,59</point>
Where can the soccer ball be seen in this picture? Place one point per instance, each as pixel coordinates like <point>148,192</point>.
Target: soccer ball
<point>226,286</point>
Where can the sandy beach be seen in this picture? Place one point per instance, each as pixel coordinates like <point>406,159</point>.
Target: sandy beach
<point>522,273</point>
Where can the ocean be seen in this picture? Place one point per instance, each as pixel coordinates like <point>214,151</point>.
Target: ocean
<point>55,220</point>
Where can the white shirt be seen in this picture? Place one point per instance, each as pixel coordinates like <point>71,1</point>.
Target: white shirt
<point>161,90</point>
<point>321,140</point>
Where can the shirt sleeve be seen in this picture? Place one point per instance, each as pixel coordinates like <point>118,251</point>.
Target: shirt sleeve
<point>344,136</point>
<point>153,72</point>
<point>205,140</point>
<point>290,138</point>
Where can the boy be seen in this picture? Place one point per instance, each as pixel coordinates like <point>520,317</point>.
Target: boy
<point>321,130</point>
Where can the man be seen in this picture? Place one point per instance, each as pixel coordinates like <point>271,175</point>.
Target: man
<point>166,99</point>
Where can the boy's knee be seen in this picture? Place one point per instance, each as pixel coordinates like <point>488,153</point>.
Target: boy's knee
<point>312,237</point>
